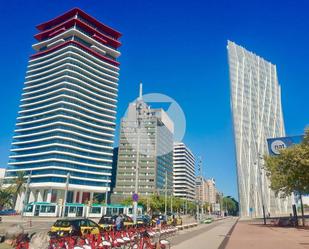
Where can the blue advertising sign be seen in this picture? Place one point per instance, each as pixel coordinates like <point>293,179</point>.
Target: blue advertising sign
<point>135,197</point>
<point>279,143</point>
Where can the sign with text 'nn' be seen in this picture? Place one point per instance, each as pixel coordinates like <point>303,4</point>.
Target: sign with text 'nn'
<point>279,143</point>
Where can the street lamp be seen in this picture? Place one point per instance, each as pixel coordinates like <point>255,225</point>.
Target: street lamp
<point>260,179</point>
<point>65,193</point>
<point>26,193</point>
<point>165,208</point>
<point>139,120</point>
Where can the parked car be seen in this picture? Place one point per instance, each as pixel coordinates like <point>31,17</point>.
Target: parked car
<point>207,220</point>
<point>174,220</point>
<point>144,220</point>
<point>110,221</point>
<point>73,227</point>
<point>8,212</point>
<point>107,221</point>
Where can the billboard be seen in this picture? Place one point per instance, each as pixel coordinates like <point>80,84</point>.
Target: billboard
<point>279,143</point>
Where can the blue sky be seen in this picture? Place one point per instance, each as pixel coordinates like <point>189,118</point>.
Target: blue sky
<point>177,48</point>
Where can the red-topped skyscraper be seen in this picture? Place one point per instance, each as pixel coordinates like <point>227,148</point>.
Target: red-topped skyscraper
<point>65,127</point>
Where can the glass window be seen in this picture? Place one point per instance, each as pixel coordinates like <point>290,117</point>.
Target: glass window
<point>92,224</point>
<point>84,223</point>
<point>43,209</point>
<point>29,208</point>
<point>95,210</point>
<point>72,210</point>
<point>108,211</point>
<point>115,211</point>
<point>62,223</point>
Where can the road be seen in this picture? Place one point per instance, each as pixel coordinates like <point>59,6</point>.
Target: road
<point>210,236</point>
<point>30,225</point>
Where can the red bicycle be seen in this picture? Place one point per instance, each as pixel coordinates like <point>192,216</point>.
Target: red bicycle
<point>144,241</point>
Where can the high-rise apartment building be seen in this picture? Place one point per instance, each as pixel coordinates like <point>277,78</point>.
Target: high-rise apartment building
<point>257,115</point>
<point>201,190</point>
<point>205,190</point>
<point>145,152</point>
<point>211,192</point>
<point>184,172</point>
<point>66,123</point>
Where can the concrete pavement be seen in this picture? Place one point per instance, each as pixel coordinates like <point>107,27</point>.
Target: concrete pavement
<point>254,235</point>
<point>208,236</point>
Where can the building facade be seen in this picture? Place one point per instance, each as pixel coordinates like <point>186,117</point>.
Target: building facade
<point>66,122</point>
<point>201,190</point>
<point>2,174</point>
<point>257,115</point>
<point>146,144</point>
<point>184,172</point>
<point>211,191</point>
<point>205,190</point>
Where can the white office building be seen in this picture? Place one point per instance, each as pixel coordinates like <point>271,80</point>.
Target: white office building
<point>257,115</point>
<point>184,172</point>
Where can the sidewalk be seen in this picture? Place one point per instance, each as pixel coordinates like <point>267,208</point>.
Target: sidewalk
<point>254,235</point>
<point>208,236</point>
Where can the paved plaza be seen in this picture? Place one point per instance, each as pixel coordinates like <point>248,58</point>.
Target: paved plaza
<point>254,235</point>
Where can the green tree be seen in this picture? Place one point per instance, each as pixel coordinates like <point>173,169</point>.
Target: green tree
<point>155,203</point>
<point>191,207</point>
<point>207,207</point>
<point>230,205</point>
<point>289,171</point>
<point>6,197</point>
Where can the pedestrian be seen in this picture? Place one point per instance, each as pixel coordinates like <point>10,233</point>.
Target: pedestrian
<point>158,224</point>
<point>118,222</point>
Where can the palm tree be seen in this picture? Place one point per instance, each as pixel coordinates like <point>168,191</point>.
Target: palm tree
<point>6,197</point>
<point>18,183</point>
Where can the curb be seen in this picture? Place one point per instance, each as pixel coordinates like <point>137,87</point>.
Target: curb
<point>227,237</point>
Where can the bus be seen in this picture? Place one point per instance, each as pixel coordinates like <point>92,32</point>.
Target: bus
<point>98,210</point>
<point>41,209</point>
<point>72,210</point>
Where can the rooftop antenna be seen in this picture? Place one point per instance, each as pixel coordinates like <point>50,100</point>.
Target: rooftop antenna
<point>140,91</point>
<point>200,167</point>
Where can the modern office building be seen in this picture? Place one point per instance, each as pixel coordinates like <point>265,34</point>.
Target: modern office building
<point>66,122</point>
<point>184,172</point>
<point>257,115</point>
<point>145,153</point>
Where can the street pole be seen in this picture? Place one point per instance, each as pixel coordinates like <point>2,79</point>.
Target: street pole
<point>197,211</point>
<point>136,177</point>
<point>171,204</point>
<point>138,113</point>
<point>200,168</point>
<point>302,209</point>
<point>106,197</point>
<point>165,211</point>
<point>148,206</point>
<point>262,196</point>
<point>65,194</point>
<point>26,194</point>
